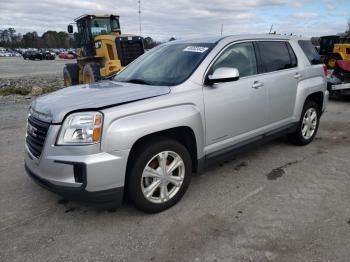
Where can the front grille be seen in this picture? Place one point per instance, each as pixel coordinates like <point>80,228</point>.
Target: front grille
<point>129,48</point>
<point>36,134</point>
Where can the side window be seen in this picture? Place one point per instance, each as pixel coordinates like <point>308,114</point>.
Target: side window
<point>310,52</point>
<point>293,57</point>
<point>240,56</point>
<point>275,56</point>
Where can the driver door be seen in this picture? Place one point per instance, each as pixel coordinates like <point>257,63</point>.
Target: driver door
<point>235,110</point>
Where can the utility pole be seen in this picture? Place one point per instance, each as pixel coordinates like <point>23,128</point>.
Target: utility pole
<point>139,2</point>
<point>222,28</point>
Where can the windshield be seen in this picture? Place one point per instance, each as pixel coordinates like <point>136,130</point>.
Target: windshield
<point>166,65</point>
<point>102,26</point>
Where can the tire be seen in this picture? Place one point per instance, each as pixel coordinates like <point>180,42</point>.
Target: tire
<point>299,137</point>
<point>145,155</point>
<point>331,61</point>
<point>91,73</point>
<point>71,74</point>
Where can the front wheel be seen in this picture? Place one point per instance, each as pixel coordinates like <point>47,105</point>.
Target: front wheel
<point>159,175</point>
<point>71,74</point>
<point>91,73</point>
<point>308,124</point>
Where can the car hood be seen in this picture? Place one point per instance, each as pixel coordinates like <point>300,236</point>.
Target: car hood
<point>53,107</point>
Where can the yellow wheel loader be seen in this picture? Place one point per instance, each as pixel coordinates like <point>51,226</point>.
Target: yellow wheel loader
<point>103,49</point>
<point>333,48</point>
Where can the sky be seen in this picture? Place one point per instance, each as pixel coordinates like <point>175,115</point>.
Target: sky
<point>184,18</point>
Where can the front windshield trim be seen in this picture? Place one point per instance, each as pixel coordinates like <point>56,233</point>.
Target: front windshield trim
<point>164,83</point>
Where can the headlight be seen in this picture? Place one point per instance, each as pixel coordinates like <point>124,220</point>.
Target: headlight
<point>81,129</point>
<point>98,44</point>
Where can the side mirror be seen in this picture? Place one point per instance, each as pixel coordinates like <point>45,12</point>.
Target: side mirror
<point>223,74</point>
<point>70,29</point>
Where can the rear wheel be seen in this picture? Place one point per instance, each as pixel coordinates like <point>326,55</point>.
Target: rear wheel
<point>159,175</point>
<point>331,61</point>
<point>308,125</point>
<point>71,74</point>
<point>91,73</point>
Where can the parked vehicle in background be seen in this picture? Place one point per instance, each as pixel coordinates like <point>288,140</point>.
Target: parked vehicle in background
<point>32,55</point>
<point>47,55</point>
<point>67,55</point>
<point>7,52</point>
<point>40,55</point>
<point>177,108</point>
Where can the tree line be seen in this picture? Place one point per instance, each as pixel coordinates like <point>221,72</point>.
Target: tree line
<point>50,39</point>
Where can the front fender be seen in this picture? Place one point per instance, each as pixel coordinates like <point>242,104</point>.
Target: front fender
<point>122,133</point>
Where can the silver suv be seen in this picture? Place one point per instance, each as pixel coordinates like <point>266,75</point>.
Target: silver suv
<point>170,113</point>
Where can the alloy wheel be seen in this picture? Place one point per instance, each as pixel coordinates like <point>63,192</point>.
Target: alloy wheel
<point>309,124</point>
<point>162,177</point>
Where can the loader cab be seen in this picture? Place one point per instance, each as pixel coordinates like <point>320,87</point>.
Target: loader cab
<point>90,26</point>
<point>327,43</point>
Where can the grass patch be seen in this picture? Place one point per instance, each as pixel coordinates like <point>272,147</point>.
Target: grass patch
<point>14,91</point>
<point>27,91</point>
<point>49,89</point>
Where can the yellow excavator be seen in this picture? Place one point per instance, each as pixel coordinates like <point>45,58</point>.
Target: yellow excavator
<point>103,50</point>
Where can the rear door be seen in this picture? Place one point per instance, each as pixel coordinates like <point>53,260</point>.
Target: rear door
<point>280,76</point>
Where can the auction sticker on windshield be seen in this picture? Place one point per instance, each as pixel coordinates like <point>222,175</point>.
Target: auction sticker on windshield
<point>197,49</point>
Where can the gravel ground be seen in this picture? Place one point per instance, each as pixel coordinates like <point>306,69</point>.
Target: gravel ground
<point>16,67</point>
<point>277,202</point>
<point>30,77</point>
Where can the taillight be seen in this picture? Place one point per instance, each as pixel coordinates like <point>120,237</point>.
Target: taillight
<point>324,70</point>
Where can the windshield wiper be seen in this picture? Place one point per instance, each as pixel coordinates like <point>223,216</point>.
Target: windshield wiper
<point>138,81</point>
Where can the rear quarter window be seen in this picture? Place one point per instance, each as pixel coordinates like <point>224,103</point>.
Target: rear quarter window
<point>310,52</point>
<point>276,55</point>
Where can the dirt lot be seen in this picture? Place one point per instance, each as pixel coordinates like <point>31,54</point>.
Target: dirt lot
<point>15,67</point>
<point>26,77</point>
<point>277,202</point>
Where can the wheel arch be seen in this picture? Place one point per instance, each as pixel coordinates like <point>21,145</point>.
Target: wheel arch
<point>317,97</point>
<point>182,134</point>
<point>313,88</point>
<point>303,97</point>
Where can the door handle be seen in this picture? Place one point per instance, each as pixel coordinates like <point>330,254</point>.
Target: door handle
<point>257,84</point>
<point>297,76</point>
